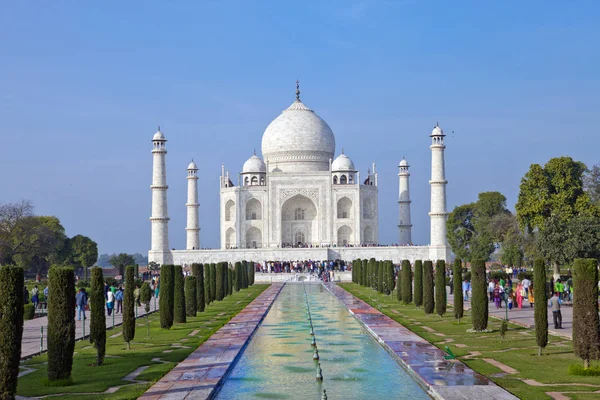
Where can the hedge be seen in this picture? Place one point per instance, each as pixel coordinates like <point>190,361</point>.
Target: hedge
<point>418,296</point>
<point>406,282</point>
<point>229,281</point>
<point>458,294</point>
<point>479,299</point>
<point>540,305</point>
<point>207,295</point>
<point>440,287</point>
<point>11,328</point>
<point>61,323</point>
<point>191,301</point>
<point>167,296</point>
<point>586,334</point>
<point>28,313</point>
<point>380,276</point>
<point>179,296</point>
<point>129,306</point>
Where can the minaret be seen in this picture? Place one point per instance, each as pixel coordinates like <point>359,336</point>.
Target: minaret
<point>160,216</point>
<point>193,228</point>
<point>438,214</point>
<point>404,225</point>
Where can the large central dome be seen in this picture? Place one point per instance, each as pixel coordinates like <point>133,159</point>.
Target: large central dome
<point>298,140</point>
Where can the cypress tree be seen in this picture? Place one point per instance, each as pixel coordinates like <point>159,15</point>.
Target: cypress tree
<point>129,306</point>
<point>586,331</point>
<point>370,271</point>
<point>479,300</point>
<point>220,283</point>
<point>390,276</point>
<point>225,279</point>
<point>12,281</point>
<point>406,282</point>
<point>540,305</point>
<point>213,282</point>
<point>400,282</point>
<point>61,323</point>
<point>365,272</point>
<point>418,297</point>
<point>245,274</point>
<point>198,271</point>
<point>428,284</point>
<point>458,294</point>
<point>145,298</point>
<point>179,296</point>
<point>440,287</point>
<point>238,276</point>
<point>353,272</point>
<point>191,301</point>
<point>252,269</point>
<point>380,276</point>
<point>207,295</point>
<point>230,281</point>
<point>97,315</point>
<point>166,299</point>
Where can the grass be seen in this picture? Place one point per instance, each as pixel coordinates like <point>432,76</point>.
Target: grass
<point>518,349</point>
<point>119,362</point>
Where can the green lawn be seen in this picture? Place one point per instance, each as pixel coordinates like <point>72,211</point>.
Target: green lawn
<point>119,362</point>
<point>518,350</point>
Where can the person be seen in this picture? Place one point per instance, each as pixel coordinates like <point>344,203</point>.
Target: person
<point>519,295</point>
<point>110,302</point>
<point>491,287</point>
<point>530,297</point>
<point>136,296</point>
<point>119,299</point>
<point>81,300</point>
<point>46,293</point>
<point>556,315</point>
<point>526,283</point>
<point>35,299</point>
<point>106,290</point>
<point>451,283</point>
<point>497,293</point>
<point>466,287</point>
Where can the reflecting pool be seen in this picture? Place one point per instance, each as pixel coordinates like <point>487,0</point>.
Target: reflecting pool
<point>278,362</point>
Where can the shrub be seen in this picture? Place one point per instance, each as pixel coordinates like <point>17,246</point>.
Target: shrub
<point>12,281</point>
<point>406,282</point>
<point>541,304</point>
<point>167,296</point>
<point>244,274</point>
<point>238,276</point>
<point>198,272</point>
<point>458,294</point>
<point>225,279</point>
<point>61,323</point>
<point>579,370</point>
<point>440,287</point>
<point>418,297</point>
<point>371,282</point>
<point>479,299</point>
<point>129,306</point>
<point>207,295</point>
<point>586,334</point>
<point>179,296</point>
<point>428,300</point>
<point>28,313</point>
<point>191,302</point>
<point>380,276</point>
<point>97,315</point>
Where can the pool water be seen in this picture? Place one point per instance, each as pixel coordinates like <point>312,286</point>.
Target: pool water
<point>278,362</point>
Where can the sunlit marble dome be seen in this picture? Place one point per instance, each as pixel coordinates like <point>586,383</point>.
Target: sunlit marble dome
<point>192,165</point>
<point>437,131</point>
<point>403,163</point>
<point>158,135</point>
<point>254,164</point>
<point>342,163</point>
<point>298,140</point>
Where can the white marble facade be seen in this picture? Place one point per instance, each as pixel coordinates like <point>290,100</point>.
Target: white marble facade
<point>298,201</point>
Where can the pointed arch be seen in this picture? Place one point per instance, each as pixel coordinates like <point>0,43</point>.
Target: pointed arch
<point>253,210</point>
<point>230,210</point>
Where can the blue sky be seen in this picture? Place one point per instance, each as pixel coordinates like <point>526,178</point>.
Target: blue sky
<point>83,86</point>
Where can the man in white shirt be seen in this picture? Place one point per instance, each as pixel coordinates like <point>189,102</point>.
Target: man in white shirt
<point>526,282</point>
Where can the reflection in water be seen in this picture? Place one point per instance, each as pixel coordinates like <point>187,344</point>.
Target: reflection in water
<point>278,363</point>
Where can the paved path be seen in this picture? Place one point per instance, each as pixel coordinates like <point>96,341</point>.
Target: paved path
<point>524,316</point>
<point>33,344</point>
<point>197,376</point>
<point>446,379</point>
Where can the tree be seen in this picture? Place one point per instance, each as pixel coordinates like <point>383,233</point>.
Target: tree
<point>84,251</point>
<point>380,276</point>
<point>238,276</point>
<point>244,274</point>
<point>401,281</point>
<point>191,301</point>
<point>479,300</point>
<point>230,280</point>
<point>428,300</point>
<point>129,306</point>
<point>179,296</point>
<point>365,272</point>
<point>121,261</point>
<point>541,304</point>
<point>61,323</point>
<point>198,272</point>
<point>213,282</point>
<point>145,298</point>
<point>591,184</point>
<point>252,271</point>
<point>440,287</point>
<point>371,273</point>
<point>12,280</point>
<point>167,296</point>
<point>586,334</point>
<point>207,285</point>
<point>418,283</point>
<point>458,294</point>
<point>220,284</point>
<point>390,276</point>
<point>98,318</point>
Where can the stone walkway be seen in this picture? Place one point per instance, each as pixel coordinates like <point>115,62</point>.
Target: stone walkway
<point>446,379</point>
<point>33,343</point>
<point>198,375</point>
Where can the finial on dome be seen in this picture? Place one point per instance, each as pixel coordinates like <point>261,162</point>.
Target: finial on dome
<point>254,151</point>
<point>342,150</point>
<point>437,125</point>
<point>297,90</point>
<point>159,128</point>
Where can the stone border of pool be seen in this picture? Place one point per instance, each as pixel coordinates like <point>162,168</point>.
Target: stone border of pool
<point>444,379</point>
<point>200,375</point>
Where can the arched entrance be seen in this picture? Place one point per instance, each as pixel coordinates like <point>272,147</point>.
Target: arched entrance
<point>298,222</point>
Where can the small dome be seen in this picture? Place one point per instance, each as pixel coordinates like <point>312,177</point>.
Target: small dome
<point>192,166</point>
<point>254,164</point>
<point>342,163</point>
<point>403,163</point>
<point>437,131</point>
<point>158,136</point>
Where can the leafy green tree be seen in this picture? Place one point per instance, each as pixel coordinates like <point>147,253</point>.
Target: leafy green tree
<point>541,304</point>
<point>198,272</point>
<point>428,284</point>
<point>146,298</point>
<point>406,282</point>
<point>191,301</point>
<point>372,277</point>
<point>591,184</point>
<point>440,287</point>
<point>380,276</point>
<point>167,296</point>
<point>418,283</point>
<point>120,261</point>
<point>179,296</point>
<point>479,300</point>
<point>129,306</point>
<point>98,318</point>
<point>458,294</point>
<point>85,252</point>
<point>12,280</point>
<point>61,323</point>
<point>586,331</point>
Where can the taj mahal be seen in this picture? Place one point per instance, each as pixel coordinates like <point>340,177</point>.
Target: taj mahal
<point>298,201</point>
